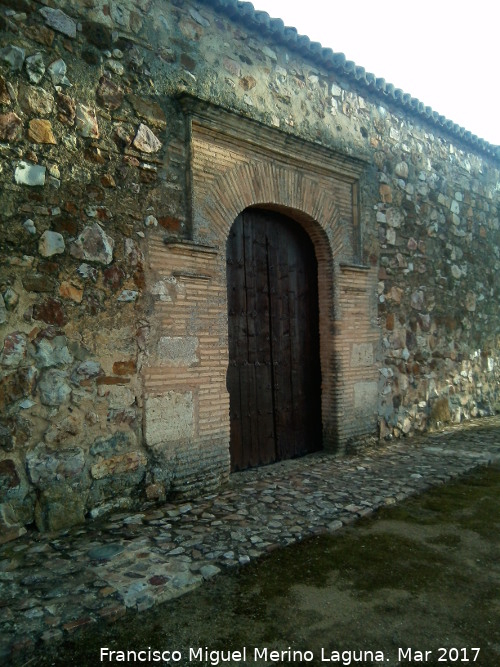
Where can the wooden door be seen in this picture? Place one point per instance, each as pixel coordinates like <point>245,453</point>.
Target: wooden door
<point>274,376</point>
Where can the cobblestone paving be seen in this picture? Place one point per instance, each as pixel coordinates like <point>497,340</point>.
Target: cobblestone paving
<point>53,585</point>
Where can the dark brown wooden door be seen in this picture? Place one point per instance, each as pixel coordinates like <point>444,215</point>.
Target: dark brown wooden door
<point>274,376</point>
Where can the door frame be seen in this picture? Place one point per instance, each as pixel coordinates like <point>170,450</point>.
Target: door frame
<point>234,162</point>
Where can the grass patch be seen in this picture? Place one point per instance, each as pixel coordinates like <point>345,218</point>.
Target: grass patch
<point>446,539</point>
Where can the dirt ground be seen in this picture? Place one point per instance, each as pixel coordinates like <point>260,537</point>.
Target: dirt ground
<point>417,584</point>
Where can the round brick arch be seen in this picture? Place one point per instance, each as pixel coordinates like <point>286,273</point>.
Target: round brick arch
<point>302,198</point>
<point>263,184</point>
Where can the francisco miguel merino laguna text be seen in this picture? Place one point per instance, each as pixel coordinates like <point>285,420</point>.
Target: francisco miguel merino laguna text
<point>217,657</point>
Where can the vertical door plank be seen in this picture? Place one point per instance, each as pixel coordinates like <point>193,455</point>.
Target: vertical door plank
<point>264,448</point>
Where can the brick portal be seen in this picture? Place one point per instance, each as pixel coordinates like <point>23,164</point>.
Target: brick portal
<point>236,164</point>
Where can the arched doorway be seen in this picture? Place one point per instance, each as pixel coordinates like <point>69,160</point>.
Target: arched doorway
<point>274,374</point>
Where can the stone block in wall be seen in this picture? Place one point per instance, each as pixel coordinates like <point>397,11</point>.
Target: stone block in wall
<point>58,20</point>
<point>109,94</point>
<point>117,443</point>
<point>116,486</point>
<point>146,141</point>
<point>93,245</point>
<point>7,439</point>
<point>9,478</point>
<point>64,431</point>
<point>117,465</point>
<point>118,396</point>
<point>17,385</point>
<point>149,110</point>
<point>16,496</point>
<point>169,419</point>
<point>35,100</point>
<point>86,370</point>
<point>53,387</point>
<point>116,479</point>
<point>117,504</point>
<point>47,468</point>
<point>11,127</point>
<point>10,529</point>
<point>3,310</point>
<point>50,311</point>
<point>365,397</point>
<point>14,349</point>
<point>29,174</point>
<point>53,352</point>
<point>178,350</point>
<point>362,355</point>
<point>59,506</point>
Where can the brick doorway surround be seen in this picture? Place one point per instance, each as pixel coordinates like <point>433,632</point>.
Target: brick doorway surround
<point>236,163</point>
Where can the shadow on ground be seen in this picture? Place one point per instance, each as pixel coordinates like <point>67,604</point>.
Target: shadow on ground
<point>423,576</point>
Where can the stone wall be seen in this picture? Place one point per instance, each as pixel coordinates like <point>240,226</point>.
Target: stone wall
<point>113,319</point>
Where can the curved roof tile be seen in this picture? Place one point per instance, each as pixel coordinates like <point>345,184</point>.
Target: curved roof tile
<point>326,57</point>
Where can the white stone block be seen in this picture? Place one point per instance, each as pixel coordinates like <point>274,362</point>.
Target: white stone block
<point>362,354</point>
<point>29,174</point>
<point>169,418</point>
<point>178,351</point>
<point>51,243</point>
<point>365,396</point>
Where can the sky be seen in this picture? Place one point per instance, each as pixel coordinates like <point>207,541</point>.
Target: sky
<point>444,52</point>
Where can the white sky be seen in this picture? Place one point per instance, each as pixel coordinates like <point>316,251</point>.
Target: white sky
<point>444,52</point>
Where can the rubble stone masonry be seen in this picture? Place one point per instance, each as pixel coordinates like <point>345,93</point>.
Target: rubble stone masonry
<point>132,134</point>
